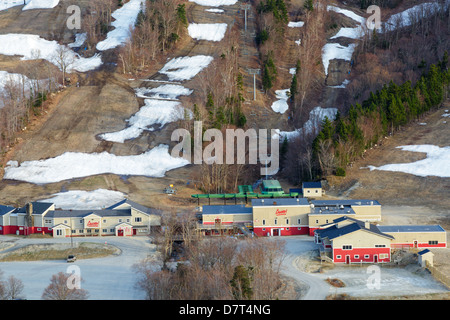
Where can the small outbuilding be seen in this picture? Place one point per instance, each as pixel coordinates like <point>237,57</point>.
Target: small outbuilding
<point>312,189</point>
<point>424,257</point>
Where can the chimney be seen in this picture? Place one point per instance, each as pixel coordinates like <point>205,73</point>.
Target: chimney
<point>29,214</point>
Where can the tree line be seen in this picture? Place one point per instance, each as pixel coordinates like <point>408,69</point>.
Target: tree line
<point>384,112</point>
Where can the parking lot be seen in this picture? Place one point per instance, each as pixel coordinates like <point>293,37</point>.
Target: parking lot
<point>108,278</point>
<point>113,277</point>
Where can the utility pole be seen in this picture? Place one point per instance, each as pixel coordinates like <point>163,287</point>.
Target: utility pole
<point>254,72</point>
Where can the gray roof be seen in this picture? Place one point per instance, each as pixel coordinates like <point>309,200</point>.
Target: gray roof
<point>412,228</point>
<point>6,209</point>
<point>230,209</point>
<point>364,202</point>
<point>38,207</point>
<point>312,184</point>
<point>136,206</point>
<point>335,232</point>
<point>332,210</point>
<point>280,202</point>
<point>84,213</point>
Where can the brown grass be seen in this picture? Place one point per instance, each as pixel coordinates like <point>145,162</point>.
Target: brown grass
<point>51,252</point>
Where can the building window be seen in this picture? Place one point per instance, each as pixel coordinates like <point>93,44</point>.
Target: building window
<point>287,229</point>
<point>366,256</point>
<point>48,221</point>
<point>104,230</point>
<point>433,242</point>
<point>81,220</point>
<point>59,232</point>
<point>326,221</point>
<point>65,221</point>
<point>384,256</point>
<point>356,256</point>
<point>120,220</point>
<point>317,191</point>
<point>317,221</point>
<point>111,230</point>
<point>128,220</point>
<point>275,222</point>
<point>338,257</point>
<point>264,222</point>
<point>299,228</point>
<point>347,247</point>
<point>104,220</point>
<point>39,229</point>
<point>309,191</point>
<point>138,219</point>
<point>298,221</point>
<point>88,230</point>
<point>287,221</point>
<point>380,246</point>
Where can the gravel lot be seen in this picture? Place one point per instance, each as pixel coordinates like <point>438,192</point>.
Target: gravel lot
<point>359,280</point>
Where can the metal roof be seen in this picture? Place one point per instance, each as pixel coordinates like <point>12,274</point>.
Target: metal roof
<point>271,184</point>
<point>135,205</point>
<point>312,184</point>
<point>38,207</point>
<point>412,228</point>
<point>332,210</point>
<point>83,213</point>
<point>280,202</point>
<point>335,232</point>
<point>6,209</point>
<point>226,209</point>
<point>359,202</point>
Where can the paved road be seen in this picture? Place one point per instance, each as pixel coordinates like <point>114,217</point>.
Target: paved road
<point>108,278</point>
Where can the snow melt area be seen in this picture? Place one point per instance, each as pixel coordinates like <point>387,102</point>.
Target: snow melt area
<point>164,92</point>
<point>125,18</point>
<point>154,112</point>
<point>342,85</point>
<point>297,24</point>
<point>405,18</point>
<point>214,3</point>
<point>215,10</point>
<point>40,4</point>
<point>347,13</point>
<point>32,47</point>
<point>332,51</point>
<point>80,38</point>
<point>85,200</point>
<point>153,163</point>
<point>281,104</point>
<point>312,126</point>
<point>207,31</point>
<point>185,68</point>
<point>437,162</point>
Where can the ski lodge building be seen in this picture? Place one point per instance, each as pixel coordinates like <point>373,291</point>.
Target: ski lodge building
<point>125,218</point>
<point>345,230</point>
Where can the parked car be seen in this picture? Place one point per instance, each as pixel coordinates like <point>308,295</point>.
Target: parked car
<point>71,258</point>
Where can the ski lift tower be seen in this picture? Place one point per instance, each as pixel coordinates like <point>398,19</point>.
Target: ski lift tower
<point>254,72</point>
<point>245,7</point>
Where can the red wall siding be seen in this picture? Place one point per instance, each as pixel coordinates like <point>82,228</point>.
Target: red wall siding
<point>293,231</point>
<point>419,245</point>
<point>25,231</point>
<point>361,252</point>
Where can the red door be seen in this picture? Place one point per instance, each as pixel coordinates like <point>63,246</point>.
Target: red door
<point>120,233</point>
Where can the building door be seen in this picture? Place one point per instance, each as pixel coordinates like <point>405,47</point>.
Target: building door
<point>120,233</point>
<point>415,243</point>
<point>275,232</point>
<point>375,258</point>
<point>347,259</point>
